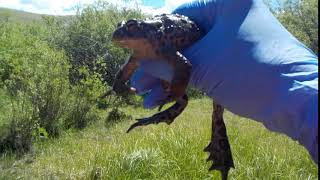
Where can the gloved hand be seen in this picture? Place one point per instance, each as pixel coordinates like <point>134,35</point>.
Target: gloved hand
<point>249,63</point>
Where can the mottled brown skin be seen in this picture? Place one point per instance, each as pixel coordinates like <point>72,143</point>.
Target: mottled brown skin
<point>160,39</point>
<point>219,147</point>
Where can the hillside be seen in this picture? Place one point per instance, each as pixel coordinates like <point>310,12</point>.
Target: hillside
<point>22,16</point>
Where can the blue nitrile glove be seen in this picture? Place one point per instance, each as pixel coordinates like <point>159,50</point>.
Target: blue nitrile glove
<point>249,63</point>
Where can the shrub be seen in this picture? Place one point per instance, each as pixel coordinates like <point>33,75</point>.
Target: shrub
<point>86,39</point>
<point>16,134</point>
<point>35,86</point>
<point>116,115</point>
<point>82,101</point>
<point>37,64</point>
<point>300,17</point>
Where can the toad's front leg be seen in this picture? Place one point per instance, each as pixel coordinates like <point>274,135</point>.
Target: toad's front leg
<point>176,90</point>
<point>124,74</point>
<point>166,116</point>
<point>219,147</point>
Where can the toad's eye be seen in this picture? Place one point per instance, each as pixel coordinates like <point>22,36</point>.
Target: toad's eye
<point>132,25</point>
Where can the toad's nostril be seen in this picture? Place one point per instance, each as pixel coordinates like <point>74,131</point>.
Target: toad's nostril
<point>121,23</point>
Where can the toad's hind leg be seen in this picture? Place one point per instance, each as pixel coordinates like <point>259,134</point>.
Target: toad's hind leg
<point>219,147</point>
<point>166,116</point>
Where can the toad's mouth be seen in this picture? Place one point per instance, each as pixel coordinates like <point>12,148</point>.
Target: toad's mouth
<point>120,42</point>
<point>130,43</point>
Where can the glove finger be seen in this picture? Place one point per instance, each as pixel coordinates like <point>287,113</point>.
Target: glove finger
<point>143,82</point>
<point>160,69</point>
<point>154,97</point>
<point>150,73</point>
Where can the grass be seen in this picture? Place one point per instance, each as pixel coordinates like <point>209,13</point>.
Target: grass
<point>3,108</point>
<point>161,151</point>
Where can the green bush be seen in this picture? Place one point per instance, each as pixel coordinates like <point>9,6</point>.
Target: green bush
<point>82,101</point>
<point>116,115</point>
<point>34,79</point>
<point>31,68</point>
<point>52,73</point>
<point>300,17</point>
<point>87,39</point>
<point>36,89</point>
<point>16,134</point>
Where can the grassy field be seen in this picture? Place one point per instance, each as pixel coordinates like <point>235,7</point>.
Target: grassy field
<point>162,152</point>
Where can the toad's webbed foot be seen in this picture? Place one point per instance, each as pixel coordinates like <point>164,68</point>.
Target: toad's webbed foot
<point>222,160</point>
<point>155,119</point>
<point>219,147</point>
<point>166,116</point>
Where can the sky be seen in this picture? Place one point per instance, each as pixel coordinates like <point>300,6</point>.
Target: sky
<point>66,7</point>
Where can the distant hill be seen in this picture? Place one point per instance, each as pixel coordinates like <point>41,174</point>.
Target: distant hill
<point>22,16</point>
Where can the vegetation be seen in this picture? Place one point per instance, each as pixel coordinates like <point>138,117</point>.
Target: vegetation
<point>87,41</point>
<point>300,17</point>
<point>162,151</point>
<point>53,71</point>
<point>36,91</point>
<point>23,17</point>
